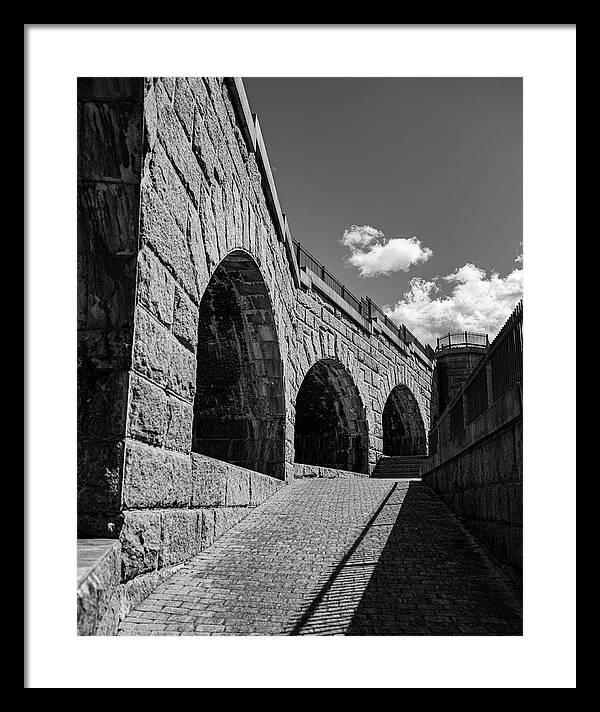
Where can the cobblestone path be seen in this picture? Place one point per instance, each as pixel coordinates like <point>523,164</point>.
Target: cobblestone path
<point>337,557</point>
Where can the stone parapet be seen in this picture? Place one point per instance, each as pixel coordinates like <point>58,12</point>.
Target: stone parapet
<point>479,475</point>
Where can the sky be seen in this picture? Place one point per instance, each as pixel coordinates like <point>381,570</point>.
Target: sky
<point>409,190</point>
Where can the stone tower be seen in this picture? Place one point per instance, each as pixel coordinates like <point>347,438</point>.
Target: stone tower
<point>456,356</point>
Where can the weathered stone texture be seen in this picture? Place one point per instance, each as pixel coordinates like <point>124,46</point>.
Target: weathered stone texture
<point>210,481</point>
<point>99,349</point>
<point>98,593</point>
<point>228,517</point>
<point>479,476</point>
<point>161,234</point>
<point>177,505</point>
<point>109,140</point>
<point>140,543</point>
<point>218,484</point>
<point>180,169</point>
<point>181,535</point>
<point>101,404</point>
<point>156,287</point>
<point>178,435</point>
<point>158,418</point>
<point>110,89</point>
<point>346,557</point>
<point>303,471</point>
<point>156,477</point>
<point>185,320</point>
<point>452,368</point>
<point>160,357</point>
<point>209,366</point>
<point>108,215</point>
<point>325,332</point>
<point>148,414</point>
<point>99,482</point>
<point>108,199</point>
<point>137,589</point>
<point>262,488</point>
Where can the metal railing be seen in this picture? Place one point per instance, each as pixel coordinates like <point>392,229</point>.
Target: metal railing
<point>399,330</point>
<point>506,354</point>
<point>364,306</point>
<point>460,339</point>
<point>305,259</point>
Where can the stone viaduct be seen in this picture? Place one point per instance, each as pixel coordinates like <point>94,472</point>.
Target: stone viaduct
<point>217,360</point>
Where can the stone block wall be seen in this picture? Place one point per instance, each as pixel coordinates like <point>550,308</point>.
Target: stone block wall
<point>154,542</point>
<point>188,204</point>
<point>479,475</point>
<point>201,200</point>
<point>315,471</point>
<point>453,366</point>
<point>98,587</point>
<point>172,514</point>
<point>109,118</point>
<point>375,364</point>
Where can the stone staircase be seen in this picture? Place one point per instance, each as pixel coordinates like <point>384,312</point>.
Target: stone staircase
<point>401,466</point>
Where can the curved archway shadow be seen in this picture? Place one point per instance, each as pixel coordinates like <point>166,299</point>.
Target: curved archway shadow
<point>239,407</point>
<point>331,425</point>
<point>403,427</point>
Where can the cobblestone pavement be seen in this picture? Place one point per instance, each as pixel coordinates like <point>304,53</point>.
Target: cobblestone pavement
<point>337,557</point>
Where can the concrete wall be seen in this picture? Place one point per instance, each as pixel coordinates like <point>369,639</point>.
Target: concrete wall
<point>479,475</point>
<point>202,199</point>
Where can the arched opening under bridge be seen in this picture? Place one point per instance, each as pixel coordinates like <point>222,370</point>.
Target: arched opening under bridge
<point>239,409</point>
<point>403,427</point>
<point>331,427</point>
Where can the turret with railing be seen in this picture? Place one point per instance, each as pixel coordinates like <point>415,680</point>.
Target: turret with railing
<point>456,355</point>
<point>498,369</point>
<point>461,339</point>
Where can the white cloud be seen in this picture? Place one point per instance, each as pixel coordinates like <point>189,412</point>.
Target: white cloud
<point>355,237</point>
<point>374,254</point>
<point>477,303</point>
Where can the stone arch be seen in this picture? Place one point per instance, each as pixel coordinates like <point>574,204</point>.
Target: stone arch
<point>239,407</point>
<point>331,428</point>
<point>403,426</point>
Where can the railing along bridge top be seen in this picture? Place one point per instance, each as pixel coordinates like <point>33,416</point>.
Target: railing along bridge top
<point>364,306</point>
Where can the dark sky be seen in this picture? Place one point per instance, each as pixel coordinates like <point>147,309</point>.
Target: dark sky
<point>438,158</point>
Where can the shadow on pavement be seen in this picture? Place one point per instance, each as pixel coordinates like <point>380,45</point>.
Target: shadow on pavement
<point>414,571</point>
